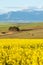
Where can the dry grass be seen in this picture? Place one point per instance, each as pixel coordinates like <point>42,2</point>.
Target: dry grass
<point>33,30</point>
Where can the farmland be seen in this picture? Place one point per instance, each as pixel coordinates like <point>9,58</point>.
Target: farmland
<point>31,30</point>
<point>21,51</point>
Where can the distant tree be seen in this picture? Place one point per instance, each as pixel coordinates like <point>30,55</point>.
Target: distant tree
<point>10,28</point>
<point>14,28</point>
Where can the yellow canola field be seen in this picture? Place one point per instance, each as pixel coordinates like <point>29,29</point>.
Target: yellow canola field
<point>21,51</point>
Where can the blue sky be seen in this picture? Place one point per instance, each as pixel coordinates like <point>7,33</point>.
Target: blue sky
<point>8,5</point>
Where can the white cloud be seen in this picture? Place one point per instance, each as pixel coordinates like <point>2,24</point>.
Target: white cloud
<point>38,8</point>
<point>7,9</point>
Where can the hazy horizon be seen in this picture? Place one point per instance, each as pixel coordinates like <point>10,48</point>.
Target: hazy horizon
<point>15,5</point>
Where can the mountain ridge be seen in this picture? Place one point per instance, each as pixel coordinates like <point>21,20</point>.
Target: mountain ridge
<point>25,15</point>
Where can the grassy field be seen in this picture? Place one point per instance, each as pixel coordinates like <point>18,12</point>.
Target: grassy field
<point>37,31</point>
